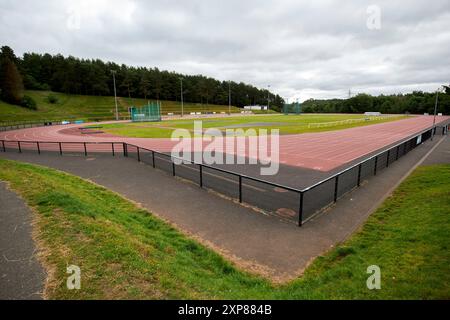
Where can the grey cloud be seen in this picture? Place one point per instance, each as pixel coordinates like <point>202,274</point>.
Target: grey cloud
<point>301,48</point>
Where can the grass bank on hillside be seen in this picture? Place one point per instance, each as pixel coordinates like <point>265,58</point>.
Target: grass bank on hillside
<point>125,252</point>
<point>291,124</point>
<point>71,106</point>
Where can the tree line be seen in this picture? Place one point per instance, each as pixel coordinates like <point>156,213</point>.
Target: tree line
<point>417,102</point>
<point>94,77</point>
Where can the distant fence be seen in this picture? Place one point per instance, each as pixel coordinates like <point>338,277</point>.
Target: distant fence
<point>23,124</point>
<point>14,125</point>
<point>282,201</point>
<point>348,121</point>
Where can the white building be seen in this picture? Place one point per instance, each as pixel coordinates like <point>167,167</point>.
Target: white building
<point>256,107</point>
<point>376,114</point>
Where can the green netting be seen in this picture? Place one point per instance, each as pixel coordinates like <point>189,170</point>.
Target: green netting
<point>292,108</point>
<point>150,112</point>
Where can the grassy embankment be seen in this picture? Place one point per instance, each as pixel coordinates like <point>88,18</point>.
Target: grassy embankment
<point>125,252</point>
<point>89,107</point>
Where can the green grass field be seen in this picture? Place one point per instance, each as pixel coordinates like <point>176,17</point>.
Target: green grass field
<point>90,107</point>
<point>126,252</point>
<point>288,124</point>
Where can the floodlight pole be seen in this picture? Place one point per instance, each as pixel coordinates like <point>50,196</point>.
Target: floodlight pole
<point>268,97</point>
<point>182,102</point>
<point>434,116</point>
<point>115,93</point>
<point>229,97</point>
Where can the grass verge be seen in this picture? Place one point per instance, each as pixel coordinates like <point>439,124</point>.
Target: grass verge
<point>124,252</point>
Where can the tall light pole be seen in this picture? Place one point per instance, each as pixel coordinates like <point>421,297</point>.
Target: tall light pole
<point>435,106</point>
<point>268,97</point>
<point>435,110</point>
<point>182,102</point>
<point>115,93</point>
<point>229,97</point>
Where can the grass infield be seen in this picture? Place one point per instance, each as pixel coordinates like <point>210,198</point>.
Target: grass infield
<point>125,252</point>
<point>287,124</point>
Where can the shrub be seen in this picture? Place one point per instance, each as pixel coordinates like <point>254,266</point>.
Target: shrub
<point>28,102</point>
<point>52,99</point>
<point>44,87</point>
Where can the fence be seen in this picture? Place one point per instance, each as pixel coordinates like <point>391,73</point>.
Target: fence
<point>285,202</point>
<point>14,125</point>
<point>149,112</point>
<point>348,121</point>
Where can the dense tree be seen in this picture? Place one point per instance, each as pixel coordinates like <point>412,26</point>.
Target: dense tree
<point>11,84</point>
<point>93,77</point>
<point>417,102</point>
<point>8,53</point>
<point>144,85</point>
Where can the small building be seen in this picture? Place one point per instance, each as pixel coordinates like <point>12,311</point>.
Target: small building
<point>255,107</point>
<point>372,114</point>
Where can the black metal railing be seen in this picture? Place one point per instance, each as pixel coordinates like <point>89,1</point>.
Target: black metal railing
<point>292,204</point>
<point>327,191</point>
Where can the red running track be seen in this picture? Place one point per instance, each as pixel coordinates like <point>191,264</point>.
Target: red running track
<point>318,151</point>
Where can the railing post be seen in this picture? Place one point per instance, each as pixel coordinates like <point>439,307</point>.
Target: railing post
<point>138,154</point>
<point>359,175</point>
<point>201,175</point>
<point>388,155</point>
<point>38,148</point>
<point>300,210</point>
<point>153,159</point>
<point>60,148</point>
<point>112,148</point>
<point>240,188</point>
<point>375,167</point>
<point>85,149</point>
<point>18,144</point>
<point>125,150</point>
<point>336,182</point>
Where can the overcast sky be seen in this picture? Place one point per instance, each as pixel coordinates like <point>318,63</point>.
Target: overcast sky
<point>302,49</point>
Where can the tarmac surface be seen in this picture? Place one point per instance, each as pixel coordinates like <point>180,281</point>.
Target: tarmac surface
<point>263,243</point>
<point>21,275</point>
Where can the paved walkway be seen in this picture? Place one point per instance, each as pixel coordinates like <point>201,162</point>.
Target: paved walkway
<point>264,243</point>
<point>21,275</point>
<point>441,154</point>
